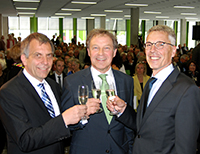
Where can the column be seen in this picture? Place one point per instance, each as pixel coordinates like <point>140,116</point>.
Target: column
<point>74,26</point>
<point>176,29</point>
<point>33,24</point>
<point>128,32</point>
<point>196,41</point>
<point>103,22</point>
<point>1,25</point>
<point>143,29</point>
<point>89,25</point>
<point>134,25</point>
<point>61,28</point>
<point>183,32</point>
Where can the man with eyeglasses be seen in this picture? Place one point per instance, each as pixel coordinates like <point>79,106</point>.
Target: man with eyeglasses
<point>169,123</point>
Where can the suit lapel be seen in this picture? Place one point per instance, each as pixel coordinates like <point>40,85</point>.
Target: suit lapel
<point>161,93</point>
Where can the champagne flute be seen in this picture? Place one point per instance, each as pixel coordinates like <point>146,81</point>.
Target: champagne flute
<point>83,96</point>
<point>111,96</point>
<point>96,92</point>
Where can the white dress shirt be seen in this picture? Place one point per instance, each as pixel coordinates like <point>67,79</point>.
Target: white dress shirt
<point>61,78</point>
<point>48,89</point>
<point>161,77</point>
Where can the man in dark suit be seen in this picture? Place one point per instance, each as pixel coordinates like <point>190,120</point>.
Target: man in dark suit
<point>59,75</point>
<point>31,126</point>
<point>170,124</point>
<point>99,135</point>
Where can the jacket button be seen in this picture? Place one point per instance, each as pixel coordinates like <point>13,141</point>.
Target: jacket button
<point>107,151</point>
<point>139,136</point>
<point>108,131</point>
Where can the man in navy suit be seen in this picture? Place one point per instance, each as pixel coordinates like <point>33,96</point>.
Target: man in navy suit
<point>171,122</point>
<point>31,127</point>
<point>99,135</point>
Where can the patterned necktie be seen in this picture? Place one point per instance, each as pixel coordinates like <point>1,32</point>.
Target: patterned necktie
<point>104,87</point>
<point>46,100</point>
<point>59,81</point>
<point>147,89</point>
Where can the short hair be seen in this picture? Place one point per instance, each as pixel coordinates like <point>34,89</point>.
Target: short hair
<point>15,53</point>
<point>101,32</point>
<point>59,59</point>
<point>131,54</point>
<point>166,29</point>
<point>37,36</point>
<point>145,67</point>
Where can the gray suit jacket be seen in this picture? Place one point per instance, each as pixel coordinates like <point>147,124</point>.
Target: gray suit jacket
<point>171,122</point>
<point>29,127</point>
<point>97,136</point>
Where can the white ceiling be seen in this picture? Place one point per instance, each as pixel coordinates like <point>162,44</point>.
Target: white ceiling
<point>47,8</point>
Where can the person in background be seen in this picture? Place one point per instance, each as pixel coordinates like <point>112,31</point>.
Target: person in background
<point>140,79</point>
<point>2,44</point>
<point>10,42</point>
<point>30,103</point>
<point>75,65</point>
<point>168,118</point>
<point>102,133</point>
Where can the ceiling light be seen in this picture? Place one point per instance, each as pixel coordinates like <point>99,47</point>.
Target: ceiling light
<point>26,12</point>
<point>63,14</point>
<point>78,2</point>
<point>26,8</point>
<point>184,7</point>
<point>191,18</point>
<point>116,18</point>
<point>87,17</point>
<point>98,15</point>
<point>130,4</point>
<point>63,9</point>
<point>127,16</point>
<point>57,17</point>
<point>152,12</point>
<point>165,17</point>
<point>35,1</point>
<point>145,19</point>
<point>113,11</point>
<point>190,14</point>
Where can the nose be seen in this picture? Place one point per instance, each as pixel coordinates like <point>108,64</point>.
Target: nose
<point>100,52</point>
<point>45,60</point>
<point>153,48</point>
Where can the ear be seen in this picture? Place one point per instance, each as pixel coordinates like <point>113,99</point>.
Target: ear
<point>88,50</point>
<point>115,51</point>
<point>23,59</point>
<point>173,51</point>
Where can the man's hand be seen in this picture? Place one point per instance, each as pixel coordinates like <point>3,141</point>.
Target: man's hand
<point>92,105</point>
<point>74,114</point>
<point>116,103</point>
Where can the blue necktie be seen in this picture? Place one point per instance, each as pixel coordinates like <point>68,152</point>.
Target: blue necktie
<point>47,102</point>
<point>147,89</point>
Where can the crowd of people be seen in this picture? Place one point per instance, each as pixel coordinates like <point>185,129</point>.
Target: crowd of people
<point>130,68</point>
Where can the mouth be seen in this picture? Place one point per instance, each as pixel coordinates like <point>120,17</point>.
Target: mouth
<point>101,59</point>
<point>154,58</point>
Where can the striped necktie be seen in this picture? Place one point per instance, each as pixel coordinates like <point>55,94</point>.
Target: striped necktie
<point>47,102</point>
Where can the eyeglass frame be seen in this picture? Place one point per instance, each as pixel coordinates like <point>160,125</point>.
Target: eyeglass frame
<point>156,46</point>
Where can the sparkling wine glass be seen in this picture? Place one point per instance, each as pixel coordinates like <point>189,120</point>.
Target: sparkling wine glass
<point>83,96</point>
<point>111,96</point>
<point>96,92</point>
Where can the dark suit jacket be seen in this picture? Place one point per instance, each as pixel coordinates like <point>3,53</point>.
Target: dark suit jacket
<point>29,127</point>
<point>171,122</point>
<point>97,136</point>
<point>54,77</point>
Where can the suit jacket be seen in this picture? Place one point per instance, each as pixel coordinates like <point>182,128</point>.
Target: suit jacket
<point>54,77</point>
<point>97,136</point>
<point>171,122</point>
<point>29,127</point>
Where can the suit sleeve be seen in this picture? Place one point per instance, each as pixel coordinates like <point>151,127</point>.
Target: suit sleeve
<point>187,121</point>
<point>20,126</point>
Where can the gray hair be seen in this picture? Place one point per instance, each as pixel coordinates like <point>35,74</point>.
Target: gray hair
<point>166,29</point>
<point>37,36</point>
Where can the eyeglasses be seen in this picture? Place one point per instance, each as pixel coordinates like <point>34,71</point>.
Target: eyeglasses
<point>159,45</point>
<point>141,62</point>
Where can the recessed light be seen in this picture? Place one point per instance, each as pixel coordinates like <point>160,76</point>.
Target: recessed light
<point>131,4</point>
<point>98,15</point>
<point>190,14</point>
<point>65,9</point>
<point>78,2</point>
<point>116,18</point>
<point>87,17</point>
<point>165,17</point>
<point>25,8</point>
<point>63,14</point>
<point>127,16</point>
<point>191,18</point>
<point>184,7</point>
<point>34,1</point>
<point>152,12</point>
<point>57,17</point>
<point>26,12</point>
<point>116,11</point>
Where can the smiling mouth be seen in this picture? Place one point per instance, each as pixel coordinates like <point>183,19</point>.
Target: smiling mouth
<point>101,59</point>
<point>154,58</point>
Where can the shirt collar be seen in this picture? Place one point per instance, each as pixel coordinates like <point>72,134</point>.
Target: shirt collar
<point>95,72</point>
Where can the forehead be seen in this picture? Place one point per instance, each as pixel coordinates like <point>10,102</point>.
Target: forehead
<point>36,46</point>
<point>157,36</point>
<point>101,39</point>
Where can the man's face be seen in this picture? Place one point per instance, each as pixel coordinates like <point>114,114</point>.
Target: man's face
<point>40,60</point>
<point>59,67</point>
<point>101,52</point>
<point>158,59</point>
